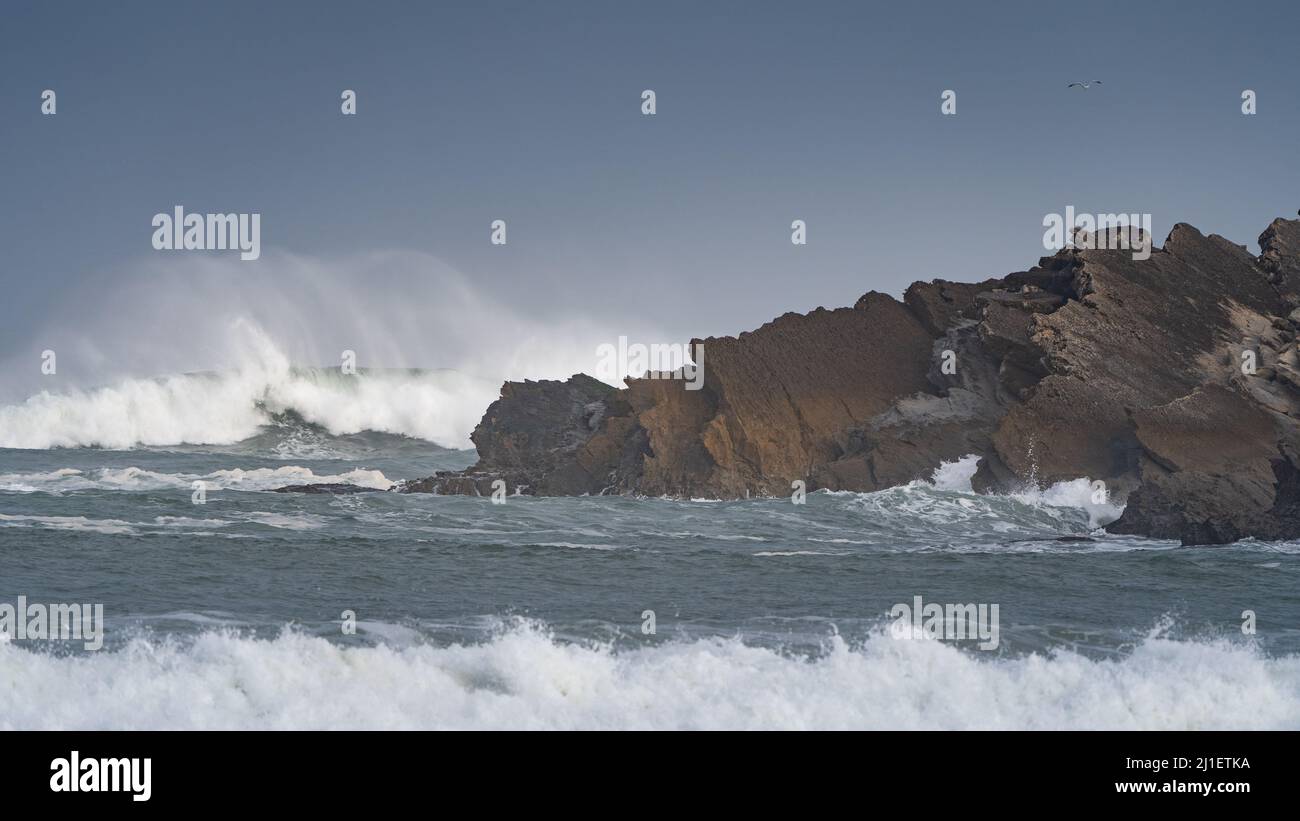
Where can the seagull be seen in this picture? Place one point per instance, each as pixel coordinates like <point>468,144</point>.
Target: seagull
<point>1084,85</point>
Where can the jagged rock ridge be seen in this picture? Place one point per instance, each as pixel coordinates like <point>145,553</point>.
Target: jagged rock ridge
<point>1091,364</point>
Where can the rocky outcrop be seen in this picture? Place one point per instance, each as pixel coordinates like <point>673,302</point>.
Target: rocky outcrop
<point>547,438</point>
<point>1207,470</point>
<point>1175,380</point>
<point>327,489</point>
<point>776,402</point>
<point>1280,244</point>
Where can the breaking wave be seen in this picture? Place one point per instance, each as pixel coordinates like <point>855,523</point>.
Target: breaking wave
<point>222,408</point>
<point>947,506</point>
<point>524,678</point>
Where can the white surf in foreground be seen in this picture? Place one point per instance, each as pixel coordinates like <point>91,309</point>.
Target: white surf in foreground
<point>524,679</point>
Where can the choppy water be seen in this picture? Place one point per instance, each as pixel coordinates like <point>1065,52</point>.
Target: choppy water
<point>531,613</point>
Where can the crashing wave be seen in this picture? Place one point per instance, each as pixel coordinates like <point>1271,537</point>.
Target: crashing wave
<point>526,679</point>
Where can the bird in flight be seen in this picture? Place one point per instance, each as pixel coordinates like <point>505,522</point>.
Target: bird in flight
<point>1085,84</point>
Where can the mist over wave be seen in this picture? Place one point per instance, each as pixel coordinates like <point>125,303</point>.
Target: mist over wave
<point>231,406</point>
<point>199,350</point>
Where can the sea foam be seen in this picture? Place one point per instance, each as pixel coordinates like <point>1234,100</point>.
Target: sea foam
<point>228,407</point>
<point>524,678</point>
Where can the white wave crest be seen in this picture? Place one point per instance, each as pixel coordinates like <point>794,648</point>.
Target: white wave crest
<point>525,679</point>
<point>956,476</point>
<point>180,315</point>
<point>1078,493</point>
<point>229,406</point>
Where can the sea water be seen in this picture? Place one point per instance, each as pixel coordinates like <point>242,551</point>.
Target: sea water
<point>382,610</point>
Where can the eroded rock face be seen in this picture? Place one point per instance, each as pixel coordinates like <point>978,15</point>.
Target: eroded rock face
<point>1206,469</point>
<point>538,439</point>
<point>776,402</point>
<point>1139,334</point>
<point>1280,244</point>
<point>1091,364</point>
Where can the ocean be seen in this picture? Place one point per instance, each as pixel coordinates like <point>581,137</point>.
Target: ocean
<point>592,612</point>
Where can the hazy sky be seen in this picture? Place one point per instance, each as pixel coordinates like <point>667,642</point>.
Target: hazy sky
<point>531,112</point>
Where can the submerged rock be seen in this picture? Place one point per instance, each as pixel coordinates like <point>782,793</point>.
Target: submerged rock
<point>328,488</point>
<point>1175,380</point>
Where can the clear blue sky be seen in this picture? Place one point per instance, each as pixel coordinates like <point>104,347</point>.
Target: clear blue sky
<point>767,112</point>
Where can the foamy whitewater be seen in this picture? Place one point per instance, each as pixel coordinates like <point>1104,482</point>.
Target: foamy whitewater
<point>533,614</point>
<point>228,407</point>
<point>525,679</point>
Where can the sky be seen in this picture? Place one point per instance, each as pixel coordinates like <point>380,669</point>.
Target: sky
<point>676,224</point>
